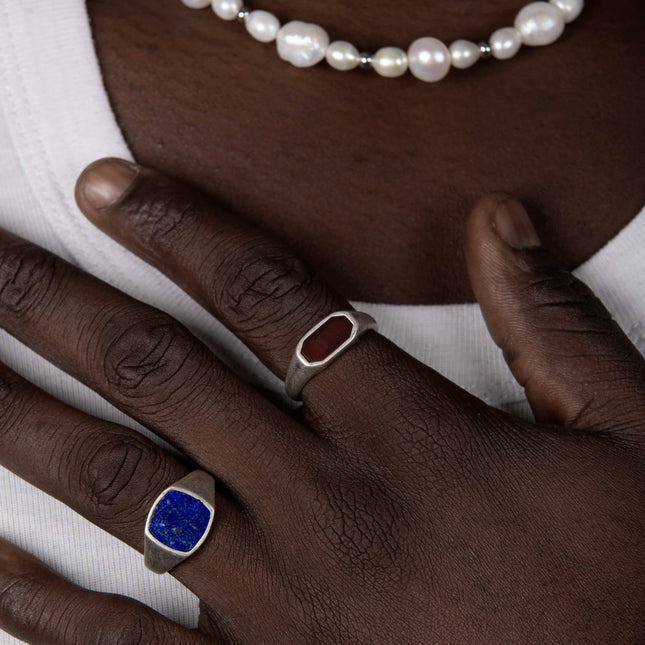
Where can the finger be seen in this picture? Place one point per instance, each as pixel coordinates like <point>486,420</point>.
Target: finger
<point>147,364</point>
<point>111,475</point>
<point>253,284</point>
<point>40,607</point>
<point>562,345</point>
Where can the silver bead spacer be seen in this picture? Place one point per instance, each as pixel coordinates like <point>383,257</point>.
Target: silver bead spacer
<point>243,14</point>
<point>365,60</point>
<point>485,50</point>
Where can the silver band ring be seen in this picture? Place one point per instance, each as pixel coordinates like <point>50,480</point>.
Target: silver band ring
<point>323,344</point>
<point>179,521</point>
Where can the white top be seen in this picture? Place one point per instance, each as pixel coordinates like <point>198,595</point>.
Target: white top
<point>54,119</point>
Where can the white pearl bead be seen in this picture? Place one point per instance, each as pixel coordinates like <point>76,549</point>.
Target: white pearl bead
<point>343,56</point>
<point>302,44</point>
<point>227,9</point>
<point>570,9</point>
<point>464,54</point>
<point>390,62</point>
<point>196,4</point>
<point>429,59</point>
<point>262,25</point>
<point>540,23</point>
<point>505,43</point>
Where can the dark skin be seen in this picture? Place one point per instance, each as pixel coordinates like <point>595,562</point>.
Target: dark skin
<point>371,178</point>
<point>396,508</point>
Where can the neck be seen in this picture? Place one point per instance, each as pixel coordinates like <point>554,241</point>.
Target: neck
<point>398,22</point>
<point>370,178</point>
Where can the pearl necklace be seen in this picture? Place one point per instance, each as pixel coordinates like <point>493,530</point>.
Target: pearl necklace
<point>305,44</point>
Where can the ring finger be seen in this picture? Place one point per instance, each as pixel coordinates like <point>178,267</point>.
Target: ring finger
<point>109,474</point>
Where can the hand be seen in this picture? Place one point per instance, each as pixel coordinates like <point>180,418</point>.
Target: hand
<point>396,508</point>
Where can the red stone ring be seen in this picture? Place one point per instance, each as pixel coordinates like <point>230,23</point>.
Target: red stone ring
<point>323,344</point>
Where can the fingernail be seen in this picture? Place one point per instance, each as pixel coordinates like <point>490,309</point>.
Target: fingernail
<point>514,226</point>
<point>104,183</point>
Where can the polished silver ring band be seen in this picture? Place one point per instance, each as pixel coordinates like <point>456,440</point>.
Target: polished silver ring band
<point>179,521</point>
<point>349,327</point>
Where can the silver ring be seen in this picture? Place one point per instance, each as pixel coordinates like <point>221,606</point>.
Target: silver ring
<point>323,344</point>
<point>179,521</point>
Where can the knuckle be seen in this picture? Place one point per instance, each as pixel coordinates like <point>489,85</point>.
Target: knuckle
<point>26,275</point>
<point>264,282</point>
<point>7,393</point>
<point>423,427</point>
<point>362,524</point>
<point>15,401</point>
<point>131,628</point>
<point>160,213</point>
<point>22,600</point>
<point>118,475</point>
<point>150,357</point>
<point>8,400</point>
<point>417,440</point>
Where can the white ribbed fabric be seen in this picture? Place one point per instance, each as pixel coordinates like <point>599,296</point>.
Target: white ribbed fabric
<point>55,119</point>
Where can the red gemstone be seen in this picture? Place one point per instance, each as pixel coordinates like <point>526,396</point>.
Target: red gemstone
<point>326,339</point>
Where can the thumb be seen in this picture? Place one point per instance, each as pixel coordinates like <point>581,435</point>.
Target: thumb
<point>576,365</point>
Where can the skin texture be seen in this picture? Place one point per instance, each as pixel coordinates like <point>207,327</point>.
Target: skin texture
<point>371,179</point>
<point>393,507</point>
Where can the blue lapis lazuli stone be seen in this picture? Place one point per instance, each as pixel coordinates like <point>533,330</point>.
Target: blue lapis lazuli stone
<point>179,521</point>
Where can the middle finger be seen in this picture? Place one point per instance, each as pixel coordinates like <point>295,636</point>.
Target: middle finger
<point>111,475</point>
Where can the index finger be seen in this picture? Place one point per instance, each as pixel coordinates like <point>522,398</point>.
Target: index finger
<point>258,288</point>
